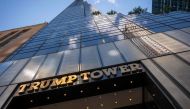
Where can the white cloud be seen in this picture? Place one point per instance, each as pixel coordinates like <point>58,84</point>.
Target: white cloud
<point>97,1</point>
<point>112,1</point>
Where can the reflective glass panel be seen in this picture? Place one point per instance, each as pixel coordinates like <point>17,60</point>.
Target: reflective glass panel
<point>30,69</point>
<point>109,54</point>
<point>70,62</point>
<point>49,66</point>
<point>90,58</point>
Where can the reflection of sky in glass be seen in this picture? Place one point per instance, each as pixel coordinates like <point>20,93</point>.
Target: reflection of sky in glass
<point>29,73</point>
<point>144,22</point>
<point>113,53</point>
<point>103,40</point>
<point>4,66</point>
<point>67,52</point>
<point>31,68</point>
<point>120,37</point>
<point>73,41</point>
<point>71,46</point>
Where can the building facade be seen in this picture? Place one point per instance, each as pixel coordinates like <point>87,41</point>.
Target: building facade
<point>12,39</point>
<point>166,6</point>
<point>85,61</point>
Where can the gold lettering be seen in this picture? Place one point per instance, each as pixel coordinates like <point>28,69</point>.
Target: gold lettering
<point>22,88</point>
<point>110,71</point>
<point>85,76</point>
<point>34,86</point>
<point>58,82</point>
<point>135,68</point>
<point>96,75</point>
<point>71,79</point>
<point>44,84</point>
<point>124,69</point>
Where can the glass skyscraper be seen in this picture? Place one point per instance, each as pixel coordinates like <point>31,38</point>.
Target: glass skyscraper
<point>85,61</point>
<point>166,6</point>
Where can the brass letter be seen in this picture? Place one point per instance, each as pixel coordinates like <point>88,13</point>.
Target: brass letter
<point>22,88</point>
<point>110,71</point>
<point>85,76</point>
<point>34,87</point>
<point>96,75</point>
<point>135,68</point>
<point>58,82</point>
<point>71,79</point>
<point>124,69</point>
<point>44,84</point>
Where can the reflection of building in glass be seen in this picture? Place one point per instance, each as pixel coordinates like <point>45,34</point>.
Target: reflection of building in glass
<point>165,6</point>
<point>85,61</point>
<point>12,39</point>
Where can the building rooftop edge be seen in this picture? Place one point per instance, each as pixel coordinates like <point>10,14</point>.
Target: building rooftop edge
<point>24,27</point>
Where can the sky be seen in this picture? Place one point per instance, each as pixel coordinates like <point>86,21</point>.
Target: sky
<point>19,13</point>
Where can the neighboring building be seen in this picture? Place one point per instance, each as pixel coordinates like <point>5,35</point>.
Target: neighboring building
<point>10,40</point>
<point>85,61</point>
<point>166,6</point>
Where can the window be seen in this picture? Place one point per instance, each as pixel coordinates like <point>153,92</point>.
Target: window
<point>90,58</point>
<point>109,54</point>
<point>30,69</point>
<point>10,37</point>
<point>12,71</point>
<point>129,51</point>
<point>70,62</point>
<point>49,66</point>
